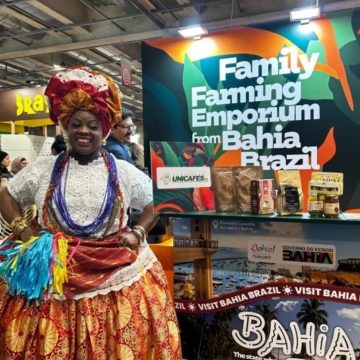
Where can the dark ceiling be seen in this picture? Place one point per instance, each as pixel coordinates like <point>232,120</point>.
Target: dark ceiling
<point>40,36</point>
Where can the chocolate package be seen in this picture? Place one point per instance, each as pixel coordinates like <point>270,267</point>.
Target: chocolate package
<point>290,197</point>
<point>243,175</point>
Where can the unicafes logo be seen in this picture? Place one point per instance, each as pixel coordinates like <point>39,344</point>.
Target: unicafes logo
<point>183,177</point>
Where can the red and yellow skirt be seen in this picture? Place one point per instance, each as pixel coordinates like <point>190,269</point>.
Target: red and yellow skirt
<point>129,316</point>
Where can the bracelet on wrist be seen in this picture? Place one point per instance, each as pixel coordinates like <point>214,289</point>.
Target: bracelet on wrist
<point>138,235</point>
<point>18,226</point>
<point>139,232</point>
<point>140,228</point>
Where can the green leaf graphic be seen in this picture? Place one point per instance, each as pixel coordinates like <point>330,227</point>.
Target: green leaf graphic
<point>170,158</point>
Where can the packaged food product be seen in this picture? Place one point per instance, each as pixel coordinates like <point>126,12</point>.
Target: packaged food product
<point>316,204</point>
<point>243,175</point>
<point>223,186</point>
<point>266,202</point>
<point>331,206</point>
<point>290,196</point>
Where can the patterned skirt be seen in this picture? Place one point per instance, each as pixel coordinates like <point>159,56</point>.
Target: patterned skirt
<point>129,317</point>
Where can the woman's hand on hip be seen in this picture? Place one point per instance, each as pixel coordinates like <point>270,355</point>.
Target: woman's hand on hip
<point>29,232</point>
<point>129,239</point>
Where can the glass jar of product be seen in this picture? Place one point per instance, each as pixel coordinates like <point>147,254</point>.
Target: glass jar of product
<point>331,206</point>
<point>316,204</point>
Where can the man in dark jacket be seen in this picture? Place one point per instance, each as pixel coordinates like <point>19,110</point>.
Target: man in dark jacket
<point>120,137</point>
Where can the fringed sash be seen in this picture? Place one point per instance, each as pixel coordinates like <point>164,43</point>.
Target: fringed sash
<point>61,264</point>
<point>94,262</point>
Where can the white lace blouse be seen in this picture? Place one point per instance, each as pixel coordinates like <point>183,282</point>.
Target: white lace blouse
<point>85,188</point>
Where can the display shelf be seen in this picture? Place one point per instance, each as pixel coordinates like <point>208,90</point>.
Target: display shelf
<point>305,218</point>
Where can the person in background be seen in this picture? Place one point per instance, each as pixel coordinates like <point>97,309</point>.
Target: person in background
<point>137,155</point>
<point>114,302</point>
<point>58,146</point>
<point>120,137</point>
<point>4,163</point>
<point>29,212</point>
<point>5,174</point>
<point>17,164</point>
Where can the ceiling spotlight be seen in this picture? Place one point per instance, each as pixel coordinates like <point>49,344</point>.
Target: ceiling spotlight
<point>305,14</point>
<point>58,67</point>
<point>195,31</point>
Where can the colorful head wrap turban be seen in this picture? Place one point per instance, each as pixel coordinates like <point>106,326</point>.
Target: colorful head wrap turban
<point>81,88</point>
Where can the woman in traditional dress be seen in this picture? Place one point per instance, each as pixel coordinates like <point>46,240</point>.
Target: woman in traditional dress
<point>115,303</point>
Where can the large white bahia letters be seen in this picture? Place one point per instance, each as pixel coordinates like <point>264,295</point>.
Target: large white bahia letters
<point>316,343</point>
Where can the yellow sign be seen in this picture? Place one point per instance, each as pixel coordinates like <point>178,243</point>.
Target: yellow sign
<point>31,105</point>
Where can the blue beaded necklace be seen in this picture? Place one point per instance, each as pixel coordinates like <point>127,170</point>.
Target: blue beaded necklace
<point>58,196</point>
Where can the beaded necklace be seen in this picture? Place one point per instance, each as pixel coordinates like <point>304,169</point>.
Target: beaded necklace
<point>56,198</point>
